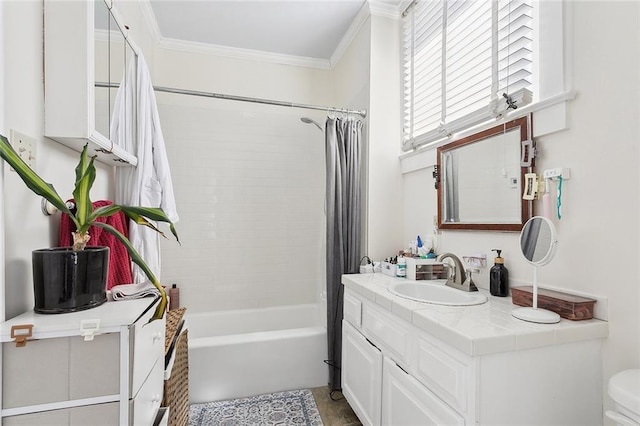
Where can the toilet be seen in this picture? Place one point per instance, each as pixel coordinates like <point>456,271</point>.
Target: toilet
<point>624,390</point>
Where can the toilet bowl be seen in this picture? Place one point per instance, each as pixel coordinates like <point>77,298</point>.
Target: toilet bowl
<point>624,390</point>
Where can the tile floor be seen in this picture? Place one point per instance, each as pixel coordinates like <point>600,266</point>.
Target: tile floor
<point>334,413</point>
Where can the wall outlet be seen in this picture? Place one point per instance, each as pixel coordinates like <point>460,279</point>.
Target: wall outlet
<point>25,146</point>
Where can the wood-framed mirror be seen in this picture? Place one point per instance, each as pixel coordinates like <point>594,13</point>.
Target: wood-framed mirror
<point>480,180</point>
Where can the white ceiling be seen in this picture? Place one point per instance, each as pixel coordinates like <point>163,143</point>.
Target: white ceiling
<point>302,28</point>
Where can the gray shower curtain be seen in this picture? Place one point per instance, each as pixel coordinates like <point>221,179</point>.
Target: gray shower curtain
<point>450,190</point>
<point>342,138</point>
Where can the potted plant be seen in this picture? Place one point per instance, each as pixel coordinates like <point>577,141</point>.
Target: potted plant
<point>82,278</point>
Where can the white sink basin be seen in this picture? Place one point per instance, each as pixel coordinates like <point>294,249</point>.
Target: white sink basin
<point>437,294</point>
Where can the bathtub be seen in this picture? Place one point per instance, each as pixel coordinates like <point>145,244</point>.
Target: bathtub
<point>250,352</point>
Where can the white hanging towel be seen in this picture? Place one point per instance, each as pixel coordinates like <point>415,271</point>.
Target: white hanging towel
<point>149,183</point>
<point>122,130</point>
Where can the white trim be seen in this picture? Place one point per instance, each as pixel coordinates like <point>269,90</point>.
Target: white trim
<point>357,23</point>
<point>123,29</point>
<point>424,156</point>
<point>371,7</point>
<point>3,299</point>
<point>384,8</point>
<point>125,350</point>
<point>2,195</point>
<point>567,55</point>
<point>238,53</point>
<point>246,54</point>
<point>59,405</point>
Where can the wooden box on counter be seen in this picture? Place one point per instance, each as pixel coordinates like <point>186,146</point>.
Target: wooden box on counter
<point>566,305</point>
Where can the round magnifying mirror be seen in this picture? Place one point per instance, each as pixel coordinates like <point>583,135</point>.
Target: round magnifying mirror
<point>538,240</point>
<point>538,244</point>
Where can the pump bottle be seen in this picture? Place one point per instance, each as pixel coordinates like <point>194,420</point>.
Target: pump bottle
<point>401,267</point>
<point>499,277</point>
<point>174,297</point>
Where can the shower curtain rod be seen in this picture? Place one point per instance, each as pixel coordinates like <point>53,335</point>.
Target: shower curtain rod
<point>362,113</point>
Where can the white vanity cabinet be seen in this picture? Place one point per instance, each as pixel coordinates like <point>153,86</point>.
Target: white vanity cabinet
<point>407,363</point>
<point>379,389</point>
<point>86,55</point>
<point>102,366</point>
<point>361,374</point>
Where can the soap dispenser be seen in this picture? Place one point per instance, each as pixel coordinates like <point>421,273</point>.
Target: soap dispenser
<point>499,277</point>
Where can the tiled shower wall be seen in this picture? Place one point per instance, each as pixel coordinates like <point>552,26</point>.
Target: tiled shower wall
<point>249,182</point>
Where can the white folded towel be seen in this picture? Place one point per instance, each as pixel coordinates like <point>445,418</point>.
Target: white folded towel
<point>134,291</point>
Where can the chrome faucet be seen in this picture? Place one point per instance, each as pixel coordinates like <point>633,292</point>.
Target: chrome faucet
<point>458,278</point>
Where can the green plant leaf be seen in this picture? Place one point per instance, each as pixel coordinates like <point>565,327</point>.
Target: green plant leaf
<point>85,176</point>
<point>137,259</point>
<point>138,215</point>
<point>104,211</point>
<point>34,182</point>
<point>85,216</point>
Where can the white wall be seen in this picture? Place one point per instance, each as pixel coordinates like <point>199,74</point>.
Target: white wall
<point>350,86</point>
<point>385,181</point>
<point>368,73</point>
<point>249,182</point>
<point>598,235</point>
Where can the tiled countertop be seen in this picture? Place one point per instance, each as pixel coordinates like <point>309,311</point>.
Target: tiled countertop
<point>474,330</point>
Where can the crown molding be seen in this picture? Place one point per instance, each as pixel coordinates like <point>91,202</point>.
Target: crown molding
<point>352,31</point>
<point>385,8</point>
<point>245,54</point>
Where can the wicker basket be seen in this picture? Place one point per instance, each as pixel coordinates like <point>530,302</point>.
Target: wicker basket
<point>174,322</point>
<point>176,387</point>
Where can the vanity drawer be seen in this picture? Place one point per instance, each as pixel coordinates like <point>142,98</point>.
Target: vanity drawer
<point>145,405</point>
<point>383,329</point>
<point>443,372</point>
<point>352,309</point>
<point>147,348</point>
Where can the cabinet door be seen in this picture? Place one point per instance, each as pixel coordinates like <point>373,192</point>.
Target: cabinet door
<point>361,375</point>
<point>405,401</point>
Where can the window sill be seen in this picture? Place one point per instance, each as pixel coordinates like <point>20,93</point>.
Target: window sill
<point>549,116</point>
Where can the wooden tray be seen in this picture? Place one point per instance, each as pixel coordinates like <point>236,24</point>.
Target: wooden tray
<point>568,306</point>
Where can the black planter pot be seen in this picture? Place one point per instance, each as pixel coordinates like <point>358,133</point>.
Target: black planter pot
<point>67,281</point>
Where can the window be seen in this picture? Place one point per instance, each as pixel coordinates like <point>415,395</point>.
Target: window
<point>464,62</point>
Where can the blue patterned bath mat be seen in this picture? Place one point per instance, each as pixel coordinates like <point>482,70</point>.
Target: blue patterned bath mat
<point>296,407</point>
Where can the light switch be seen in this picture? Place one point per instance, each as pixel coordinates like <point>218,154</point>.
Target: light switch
<point>25,146</point>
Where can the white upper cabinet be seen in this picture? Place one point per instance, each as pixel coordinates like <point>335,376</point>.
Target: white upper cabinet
<point>87,58</point>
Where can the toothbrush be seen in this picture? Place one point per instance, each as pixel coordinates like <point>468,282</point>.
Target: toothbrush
<point>559,197</point>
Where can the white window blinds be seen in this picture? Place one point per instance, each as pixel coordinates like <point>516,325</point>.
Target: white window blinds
<point>458,58</point>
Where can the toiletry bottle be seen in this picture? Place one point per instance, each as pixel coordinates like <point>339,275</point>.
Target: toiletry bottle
<point>174,297</point>
<point>499,277</point>
<point>401,267</point>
